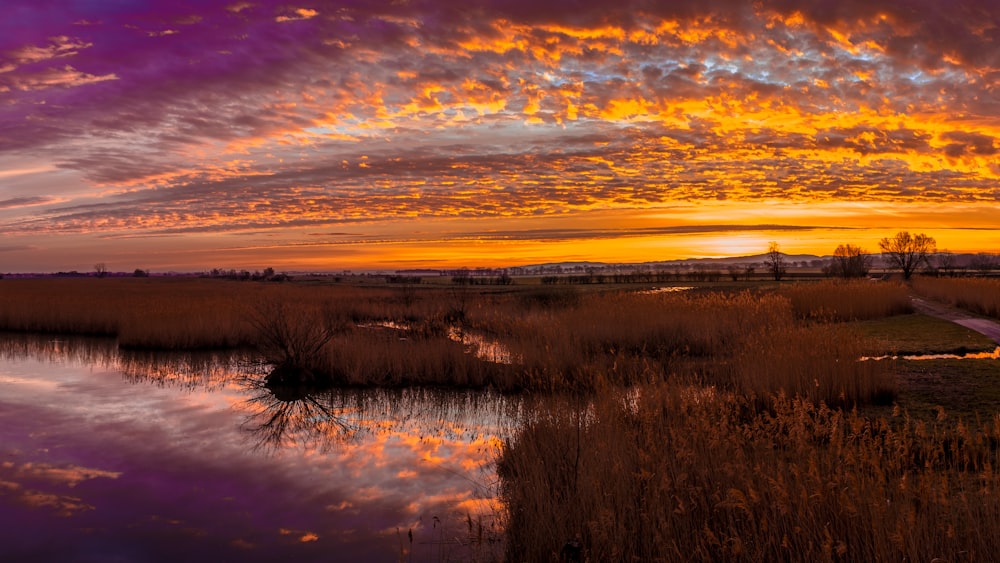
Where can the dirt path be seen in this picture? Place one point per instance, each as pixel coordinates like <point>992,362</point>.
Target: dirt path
<point>934,309</point>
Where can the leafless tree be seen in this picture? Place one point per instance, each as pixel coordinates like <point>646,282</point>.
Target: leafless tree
<point>734,271</point>
<point>946,263</point>
<point>775,261</point>
<point>101,269</point>
<point>850,261</point>
<point>984,262</point>
<point>907,252</point>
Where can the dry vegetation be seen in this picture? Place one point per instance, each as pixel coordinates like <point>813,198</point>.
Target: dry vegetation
<point>980,296</point>
<point>183,313</point>
<point>166,314</point>
<point>848,300</point>
<point>683,474</point>
<point>552,338</point>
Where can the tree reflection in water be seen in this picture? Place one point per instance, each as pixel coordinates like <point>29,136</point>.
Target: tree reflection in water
<point>282,415</point>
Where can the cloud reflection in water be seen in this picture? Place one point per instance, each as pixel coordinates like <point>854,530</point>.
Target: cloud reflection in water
<point>127,455</point>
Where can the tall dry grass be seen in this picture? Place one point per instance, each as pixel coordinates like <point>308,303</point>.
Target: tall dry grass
<point>848,300</point>
<point>817,362</point>
<point>168,314</point>
<point>385,358</point>
<point>182,313</point>
<point>627,338</point>
<point>679,473</point>
<point>746,343</point>
<point>384,336</point>
<point>980,296</point>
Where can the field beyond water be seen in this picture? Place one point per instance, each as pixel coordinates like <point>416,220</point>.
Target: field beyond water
<point>695,425</point>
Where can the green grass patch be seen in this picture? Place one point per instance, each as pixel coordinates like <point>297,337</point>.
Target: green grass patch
<point>921,334</point>
<point>955,389</point>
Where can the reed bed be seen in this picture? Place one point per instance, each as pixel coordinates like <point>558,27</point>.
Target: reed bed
<point>980,296</point>
<point>631,338</point>
<point>745,343</point>
<point>848,300</point>
<point>163,314</point>
<point>679,473</point>
<point>384,358</point>
<point>816,362</point>
<point>184,313</point>
<point>385,336</point>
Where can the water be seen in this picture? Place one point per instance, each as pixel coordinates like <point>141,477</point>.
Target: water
<point>994,355</point>
<point>670,289</point>
<point>114,456</point>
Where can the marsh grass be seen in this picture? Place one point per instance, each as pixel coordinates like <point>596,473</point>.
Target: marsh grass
<point>746,343</point>
<point>818,363</point>
<point>677,473</point>
<point>981,296</point>
<point>627,338</point>
<point>182,313</point>
<point>141,313</point>
<point>384,358</point>
<point>848,300</point>
<point>561,338</point>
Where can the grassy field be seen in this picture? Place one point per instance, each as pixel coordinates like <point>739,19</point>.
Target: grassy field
<point>966,390</point>
<point>710,424</point>
<point>920,334</point>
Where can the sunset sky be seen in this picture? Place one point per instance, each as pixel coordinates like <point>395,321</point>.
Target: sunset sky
<point>368,134</point>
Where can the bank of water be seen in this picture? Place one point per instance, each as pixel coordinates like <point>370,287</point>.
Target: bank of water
<point>110,455</point>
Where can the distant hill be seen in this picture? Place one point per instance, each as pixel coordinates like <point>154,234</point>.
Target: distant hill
<point>747,259</point>
<point>686,262</point>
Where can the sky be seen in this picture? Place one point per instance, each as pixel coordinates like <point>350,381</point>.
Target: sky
<point>367,134</point>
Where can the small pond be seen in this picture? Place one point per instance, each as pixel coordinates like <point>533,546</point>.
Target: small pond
<point>110,455</point>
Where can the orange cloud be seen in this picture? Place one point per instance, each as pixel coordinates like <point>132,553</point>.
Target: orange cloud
<point>298,14</point>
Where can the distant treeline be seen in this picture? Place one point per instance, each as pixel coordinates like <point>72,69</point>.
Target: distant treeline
<point>635,277</point>
<point>404,279</point>
<point>463,277</point>
<point>245,275</point>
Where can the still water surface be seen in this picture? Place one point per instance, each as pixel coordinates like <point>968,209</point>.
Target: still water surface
<point>108,455</point>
